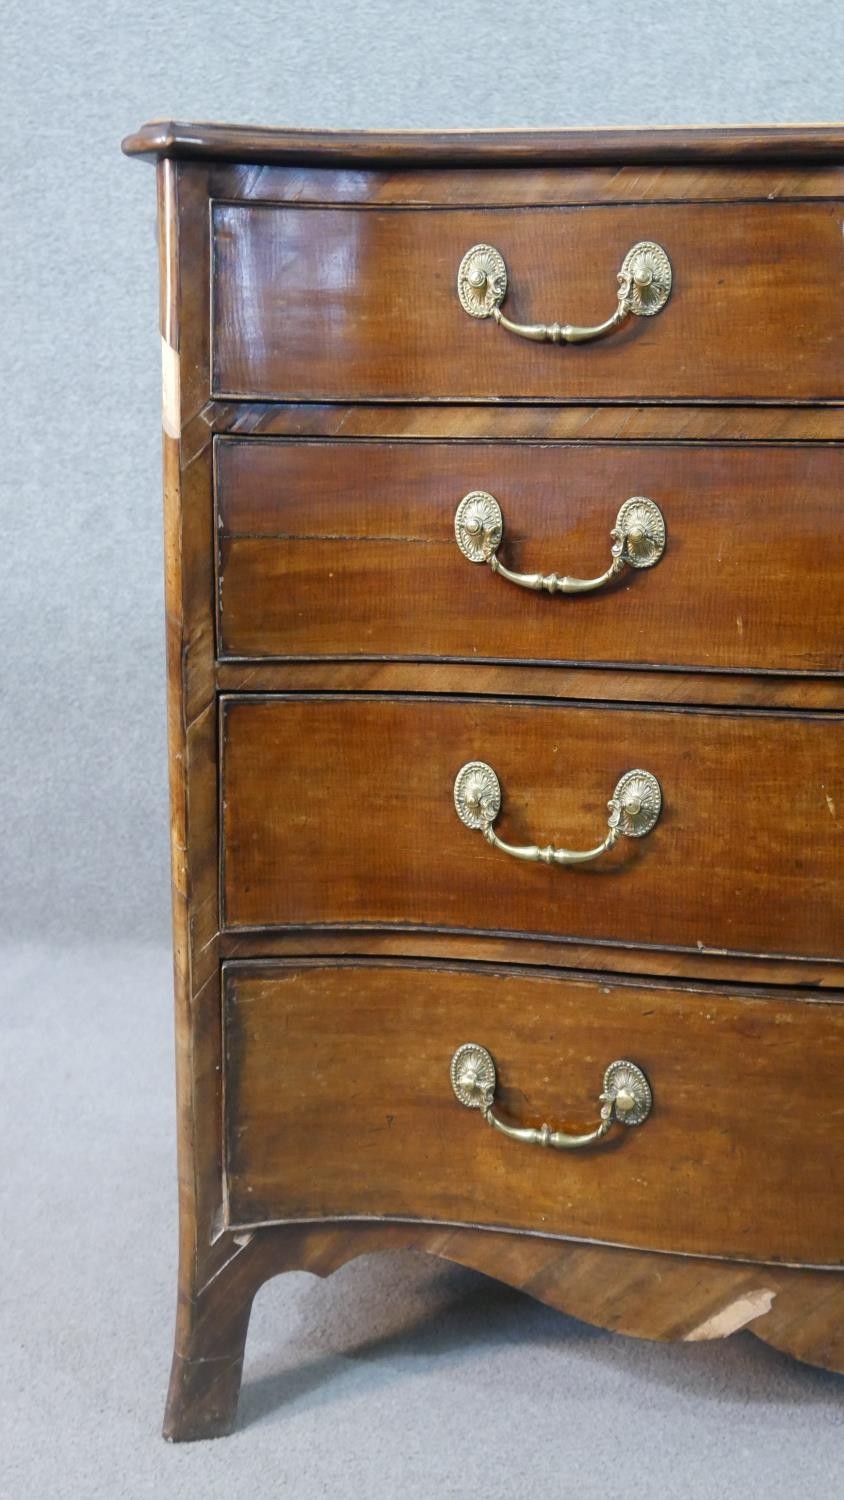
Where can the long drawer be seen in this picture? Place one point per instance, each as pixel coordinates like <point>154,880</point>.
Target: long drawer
<point>348,549</point>
<point>341,811</point>
<point>338,1101</point>
<point>360,302</point>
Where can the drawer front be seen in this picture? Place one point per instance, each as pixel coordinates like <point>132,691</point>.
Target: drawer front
<point>359,302</point>
<point>339,810</point>
<point>348,549</point>
<point>338,1102</point>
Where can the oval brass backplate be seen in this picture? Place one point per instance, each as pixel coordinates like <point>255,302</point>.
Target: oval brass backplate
<point>477,794</point>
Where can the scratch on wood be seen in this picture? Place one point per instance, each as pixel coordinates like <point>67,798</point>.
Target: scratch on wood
<point>734,1316</point>
<point>243,1242</point>
<point>170,404</point>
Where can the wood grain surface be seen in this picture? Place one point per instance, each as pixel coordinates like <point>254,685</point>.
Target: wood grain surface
<point>339,1103</point>
<point>339,810</point>
<point>558,952</point>
<point>500,680</point>
<point>660,1297</point>
<point>333,303</point>
<point>333,279</point>
<point>756,144</point>
<point>462,421</point>
<point>529,185</point>
<point>346,548</point>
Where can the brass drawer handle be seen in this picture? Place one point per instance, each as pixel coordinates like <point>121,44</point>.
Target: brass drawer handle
<point>626,1099</point>
<point>644,286</point>
<point>634,808</point>
<point>638,541</point>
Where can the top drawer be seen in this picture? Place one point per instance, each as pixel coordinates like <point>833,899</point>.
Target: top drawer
<point>313,303</point>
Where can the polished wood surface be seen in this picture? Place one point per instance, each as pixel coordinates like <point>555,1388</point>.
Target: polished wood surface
<point>346,548</point>
<point>558,951</point>
<point>192,736</point>
<point>758,816</point>
<point>414,420</point>
<point>528,185</point>
<point>339,810</point>
<point>339,1103</point>
<point>253,143</point>
<point>493,679</point>
<point>662,1297</point>
<point>317,304</point>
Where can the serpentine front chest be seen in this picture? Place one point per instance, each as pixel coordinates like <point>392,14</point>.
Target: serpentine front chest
<point>505,714</point>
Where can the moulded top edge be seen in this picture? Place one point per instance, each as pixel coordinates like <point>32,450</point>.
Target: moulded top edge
<point>586,146</point>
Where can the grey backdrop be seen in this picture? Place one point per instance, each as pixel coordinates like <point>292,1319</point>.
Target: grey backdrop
<point>82,742</point>
<point>400,1375</point>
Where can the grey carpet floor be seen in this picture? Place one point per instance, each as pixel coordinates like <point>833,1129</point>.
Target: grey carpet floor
<point>398,1376</point>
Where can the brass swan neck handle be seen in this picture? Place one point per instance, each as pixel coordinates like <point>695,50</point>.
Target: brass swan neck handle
<point>644,286</point>
<point>634,808</point>
<point>626,1098</point>
<point>638,541</point>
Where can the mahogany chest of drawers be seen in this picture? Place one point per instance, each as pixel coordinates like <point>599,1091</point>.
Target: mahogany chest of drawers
<point>507,757</point>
